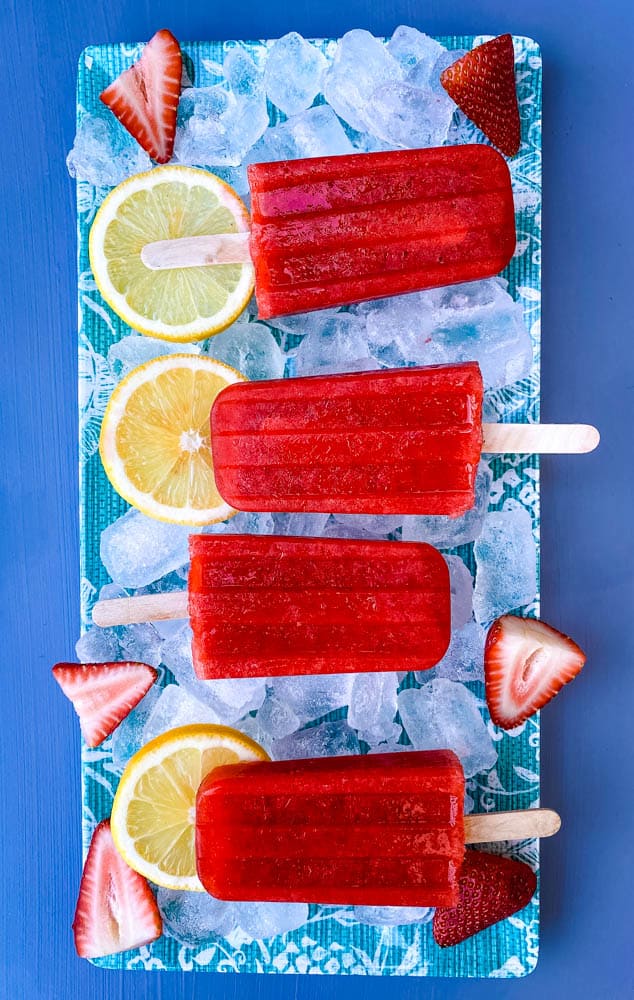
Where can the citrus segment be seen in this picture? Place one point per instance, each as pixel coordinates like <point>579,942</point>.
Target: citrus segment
<point>155,444</point>
<point>177,304</point>
<point>153,814</point>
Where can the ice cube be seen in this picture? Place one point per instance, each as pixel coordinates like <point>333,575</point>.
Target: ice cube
<point>293,73</point>
<point>316,132</point>
<point>302,324</point>
<point>413,48</point>
<point>409,116</point>
<point>444,714</point>
<point>227,700</point>
<point>361,63</point>
<point>379,525</point>
<point>98,645</point>
<point>392,916</point>
<point>128,736</point>
<point>461,583</point>
<point>176,707</point>
<point>243,523</point>
<point>476,321</point>
<point>506,564</point>
<point>449,532</point>
<point>140,642</point>
<point>300,524</point>
<point>242,74</point>
<point>339,346</point>
<point>464,659</point>
<point>329,739</point>
<point>310,696</point>
<point>266,920</point>
<point>104,153</point>
<point>277,718</point>
<point>219,126</point>
<point>249,347</point>
<point>373,706</point>
<point>195,917</point>
<point>137,550</point>
<point>135,349</point>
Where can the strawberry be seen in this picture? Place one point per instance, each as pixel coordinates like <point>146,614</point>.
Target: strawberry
<point>115,907</point>
<point>482,84</point>
<point>103,693</point>
<point>526,662</point>
<point>145,97</point>
<point>491,889</point>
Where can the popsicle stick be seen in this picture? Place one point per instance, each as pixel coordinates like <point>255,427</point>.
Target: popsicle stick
<point>544,439</point>
<point>146,608</point>
<point>197,251</point>
<point>516,825</point>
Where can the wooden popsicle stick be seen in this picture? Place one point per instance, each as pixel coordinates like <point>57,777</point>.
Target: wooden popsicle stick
<point>544,439</point>
<point>518,824</point>
<point>197,251</point>
<point>146,608</point>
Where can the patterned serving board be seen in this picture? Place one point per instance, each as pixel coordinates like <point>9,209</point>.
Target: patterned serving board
<point>332,941</point>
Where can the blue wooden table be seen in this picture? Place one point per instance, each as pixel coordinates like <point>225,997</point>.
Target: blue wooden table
<point>587,580</point>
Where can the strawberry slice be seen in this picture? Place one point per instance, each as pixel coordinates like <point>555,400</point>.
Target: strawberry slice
<point>103,693</point>
<point>526,662</point>
<point>115,907</point>
<point>491,889</point>
<point>482,84</point>
<point>145,97</point>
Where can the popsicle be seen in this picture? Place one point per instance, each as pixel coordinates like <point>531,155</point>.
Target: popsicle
<point>377,830</point>
<point>266,605</point>
<point>397,441</point>
<point>333,230</point>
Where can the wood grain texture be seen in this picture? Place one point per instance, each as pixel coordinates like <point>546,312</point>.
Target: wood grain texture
<point>587,363</point>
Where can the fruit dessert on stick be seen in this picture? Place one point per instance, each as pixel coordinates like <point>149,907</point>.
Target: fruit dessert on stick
<point>267,605</point>
<point>326,231</point>
<point>376,830</point>
<point>403,441</point>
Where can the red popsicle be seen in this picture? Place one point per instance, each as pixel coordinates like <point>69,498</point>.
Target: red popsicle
<point>403,441</point>
<point>335,230</point>
<point>266,605</point>
<point>384,830</point>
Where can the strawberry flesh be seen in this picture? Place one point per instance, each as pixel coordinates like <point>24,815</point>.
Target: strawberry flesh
<point>491,889</point>
<point>103,693</point>
<point>116,909</point>
<point>482,84</point>
<point>145,97</point>
<point>526,663</point>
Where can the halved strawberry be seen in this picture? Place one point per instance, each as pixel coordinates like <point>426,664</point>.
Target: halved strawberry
<point>526,662</point>
<point>491,889</point>
<point>145,97</point>
<point>103,693</point>
<point>115,907</point>
<point>482,84</point>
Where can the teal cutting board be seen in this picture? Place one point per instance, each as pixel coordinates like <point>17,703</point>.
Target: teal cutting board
<point>332,941</point>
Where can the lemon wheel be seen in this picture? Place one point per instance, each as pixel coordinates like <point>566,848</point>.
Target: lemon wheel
<point>153,814</point>
<point>178,304</point>
<point>155,438</point>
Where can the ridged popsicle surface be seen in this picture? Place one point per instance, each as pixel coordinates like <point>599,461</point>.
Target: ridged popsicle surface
<point>376,830</point>
<point>335,230</point>
<point>268,605</point>
<point>398,441</point>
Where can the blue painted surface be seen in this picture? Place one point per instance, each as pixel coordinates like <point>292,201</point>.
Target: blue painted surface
<point>587,588</point>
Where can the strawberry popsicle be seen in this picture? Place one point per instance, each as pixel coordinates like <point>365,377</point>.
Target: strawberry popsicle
<point>266,605</point>
<point>335,230</point>
<point>404,441</point>
<point>379,830</point>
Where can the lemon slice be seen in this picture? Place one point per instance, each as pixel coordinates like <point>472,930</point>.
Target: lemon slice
<point>154,810</point>
<point>178,304</point>
<point>155,438</point>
